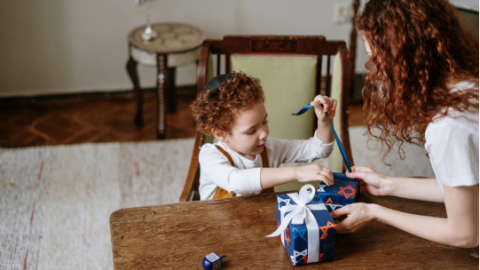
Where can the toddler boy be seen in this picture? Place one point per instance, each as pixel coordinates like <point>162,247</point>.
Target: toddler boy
<point>245,160</point>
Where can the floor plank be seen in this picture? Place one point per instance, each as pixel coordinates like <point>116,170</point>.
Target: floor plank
<point>73,121</point>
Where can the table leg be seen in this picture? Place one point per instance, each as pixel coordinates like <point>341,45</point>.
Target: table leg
<point>171,91</point>
<point>133,74</point>
<point>162,80</point>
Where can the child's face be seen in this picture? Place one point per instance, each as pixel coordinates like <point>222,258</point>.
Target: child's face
<point>249,132</point>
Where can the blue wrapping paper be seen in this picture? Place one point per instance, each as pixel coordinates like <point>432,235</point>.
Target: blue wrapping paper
<point>342,192</point>
<point>295,236</point>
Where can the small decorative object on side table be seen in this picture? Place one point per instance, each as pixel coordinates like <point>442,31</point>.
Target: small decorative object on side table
<point>175,45</point>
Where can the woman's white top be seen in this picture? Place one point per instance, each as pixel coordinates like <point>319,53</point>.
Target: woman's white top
<point>452,145</point>
<point>244,178</point>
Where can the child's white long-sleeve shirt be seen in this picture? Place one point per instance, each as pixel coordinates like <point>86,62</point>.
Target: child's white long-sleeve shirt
<point>244,178</point>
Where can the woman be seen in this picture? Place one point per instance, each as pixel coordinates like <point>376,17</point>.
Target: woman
<point>422,88</point>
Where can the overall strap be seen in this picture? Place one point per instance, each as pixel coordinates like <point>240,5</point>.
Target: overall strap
<point>222,193</point>
<point>226,154</point>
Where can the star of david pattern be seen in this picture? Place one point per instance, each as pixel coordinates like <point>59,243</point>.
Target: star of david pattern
<point>280,200</point>
<point>302,253</point>
<point>295,236</point>
<point>347,194</point>
<point>296,254</point>
<point>305,258</point>
<point>321,188</point>
<point>325,228</point>
<point>334,206</point>
<point>294,261</point>
<point>300,233</point>
<point>343,192</point>
<point>287,236</point>
<point>327,247</point>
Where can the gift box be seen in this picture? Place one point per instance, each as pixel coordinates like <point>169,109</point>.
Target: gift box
<point>342,192</point>
<point>306,228</point>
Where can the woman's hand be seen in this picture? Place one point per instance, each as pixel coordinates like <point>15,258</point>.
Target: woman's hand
<point>371,181</point>
<point>314,172</point>
<point>323,105</point>
<point>358,216</point>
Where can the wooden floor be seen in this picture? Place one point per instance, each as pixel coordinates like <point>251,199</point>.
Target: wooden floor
<point>82,120</point>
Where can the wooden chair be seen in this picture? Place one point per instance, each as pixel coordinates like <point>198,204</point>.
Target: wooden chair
<point>291,75</point>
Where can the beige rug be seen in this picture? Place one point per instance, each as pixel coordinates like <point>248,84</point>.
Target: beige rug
<point>55,202</point>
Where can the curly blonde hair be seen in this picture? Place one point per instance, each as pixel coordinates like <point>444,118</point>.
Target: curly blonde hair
<point>215,110</point>
<point>419,49</point>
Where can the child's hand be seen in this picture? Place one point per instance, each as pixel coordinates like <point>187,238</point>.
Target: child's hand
<point>314,172</point>
<point>322,105</point>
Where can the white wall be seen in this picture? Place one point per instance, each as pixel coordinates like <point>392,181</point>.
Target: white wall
<point>68,46</point>
<point>471,5</point>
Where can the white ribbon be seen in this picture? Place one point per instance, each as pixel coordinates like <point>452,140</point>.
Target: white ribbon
<point>299,213</point>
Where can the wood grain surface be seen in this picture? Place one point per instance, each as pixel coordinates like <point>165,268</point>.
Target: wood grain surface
<point>179,236</point>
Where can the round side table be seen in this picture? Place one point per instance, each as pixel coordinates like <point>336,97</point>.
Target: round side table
<point>176,45</point>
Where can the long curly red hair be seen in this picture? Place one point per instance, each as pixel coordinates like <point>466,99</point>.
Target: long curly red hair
<point>420,49</point>
<point>215,111</point>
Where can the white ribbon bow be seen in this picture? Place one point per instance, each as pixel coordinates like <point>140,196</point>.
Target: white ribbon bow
<point>299,213</point>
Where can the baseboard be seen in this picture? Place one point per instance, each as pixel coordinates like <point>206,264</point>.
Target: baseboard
<point>355,96</point>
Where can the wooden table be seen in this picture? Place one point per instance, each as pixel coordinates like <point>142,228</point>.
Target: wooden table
<point>176,45</point>
<point>178,236</point>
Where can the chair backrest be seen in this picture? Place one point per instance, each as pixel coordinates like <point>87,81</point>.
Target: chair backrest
<point>292,71</point>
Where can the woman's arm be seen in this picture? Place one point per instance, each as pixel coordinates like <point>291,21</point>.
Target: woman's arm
<point>425,189</point>
<point>459,229</point>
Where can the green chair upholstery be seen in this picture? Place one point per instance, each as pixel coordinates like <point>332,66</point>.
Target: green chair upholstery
<point>289,84</point>
<point>335,161</point>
